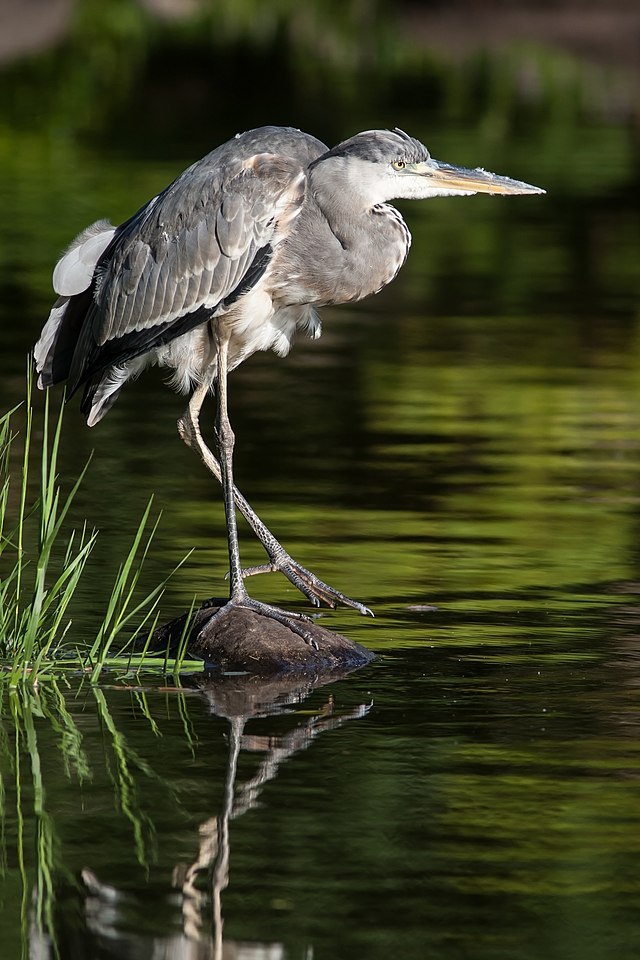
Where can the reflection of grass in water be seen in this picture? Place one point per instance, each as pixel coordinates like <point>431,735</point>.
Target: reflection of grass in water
<point>143,703</point>
<point>74,757</point>
<point>46,840</point>
<point>38,896</point>
<point>122,775</point>
<point>190,735</point>
<point>38,851</point>
<point>125,786</point>
<point>42,573</point>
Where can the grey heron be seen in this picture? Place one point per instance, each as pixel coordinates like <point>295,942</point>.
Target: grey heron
<point>234,257</point>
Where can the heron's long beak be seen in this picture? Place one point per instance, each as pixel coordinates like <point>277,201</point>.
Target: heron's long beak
<point>448,179</point>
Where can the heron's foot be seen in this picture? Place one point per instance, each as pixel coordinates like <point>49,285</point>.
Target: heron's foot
<point>293,621</point>
<point>314,589</point>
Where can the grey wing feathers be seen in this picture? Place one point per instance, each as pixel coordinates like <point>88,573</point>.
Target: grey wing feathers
<point>194,244</point>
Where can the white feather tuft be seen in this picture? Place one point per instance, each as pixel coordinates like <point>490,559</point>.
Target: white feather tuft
<point>73,272</point>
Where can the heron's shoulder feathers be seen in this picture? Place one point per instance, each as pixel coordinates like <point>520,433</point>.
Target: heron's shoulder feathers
<point>195,245</point>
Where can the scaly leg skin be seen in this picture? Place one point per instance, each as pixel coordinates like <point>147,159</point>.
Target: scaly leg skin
<point>314,589</point>
<point>225,440</point>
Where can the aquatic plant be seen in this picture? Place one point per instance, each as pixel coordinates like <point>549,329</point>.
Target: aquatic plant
<point>42,564</point>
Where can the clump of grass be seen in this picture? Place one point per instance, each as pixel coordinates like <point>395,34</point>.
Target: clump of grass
<point>34,599</point>
<point>39,580</point>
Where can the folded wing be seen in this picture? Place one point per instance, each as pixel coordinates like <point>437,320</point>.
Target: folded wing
<point>183,258</point>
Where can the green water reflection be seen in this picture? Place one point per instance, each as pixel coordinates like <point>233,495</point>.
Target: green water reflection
<point>462,453</point>
<point>470,808</point>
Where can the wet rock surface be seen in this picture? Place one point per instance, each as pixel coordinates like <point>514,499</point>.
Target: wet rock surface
<point>241,639</point>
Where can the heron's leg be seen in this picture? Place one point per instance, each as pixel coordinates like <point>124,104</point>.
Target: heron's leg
<point>314,589</point>
<point>225,440</point>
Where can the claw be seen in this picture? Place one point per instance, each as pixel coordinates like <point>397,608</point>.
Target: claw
<point>315,590</point>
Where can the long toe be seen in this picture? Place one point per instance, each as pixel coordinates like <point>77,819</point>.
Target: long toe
<point>294,621</point>
<point>315,590</point>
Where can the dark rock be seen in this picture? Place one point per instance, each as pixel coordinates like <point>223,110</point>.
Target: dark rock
<point>242,639</point>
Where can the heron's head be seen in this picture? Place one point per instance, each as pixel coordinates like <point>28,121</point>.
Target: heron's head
<point>382,165</point>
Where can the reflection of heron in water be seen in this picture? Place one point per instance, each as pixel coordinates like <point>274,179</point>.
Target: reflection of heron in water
<point>234,257</point>
<point>214,849</point>
<point>201,883</point>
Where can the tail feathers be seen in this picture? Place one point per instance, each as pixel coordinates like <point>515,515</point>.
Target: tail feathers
<point>54,351</point>
<point>102,391</point>
<point>73,281</point>
<point>44,349</point>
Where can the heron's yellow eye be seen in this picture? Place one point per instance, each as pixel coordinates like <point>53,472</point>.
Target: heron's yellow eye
<point>398,164</point>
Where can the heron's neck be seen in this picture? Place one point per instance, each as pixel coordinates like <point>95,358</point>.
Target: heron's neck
<point>347,212</point>
<point>345,248</point>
